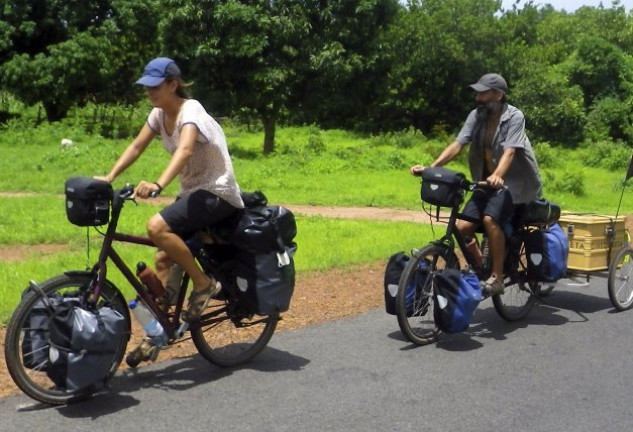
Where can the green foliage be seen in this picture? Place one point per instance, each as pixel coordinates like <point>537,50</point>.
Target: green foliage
<point>63,54</point>
<point>553,109</point>
<point>606,154</point>
<point>610,118</point>
<point>568,181</point>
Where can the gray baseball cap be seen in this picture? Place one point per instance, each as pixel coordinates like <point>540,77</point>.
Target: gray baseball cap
<point>490,81</point>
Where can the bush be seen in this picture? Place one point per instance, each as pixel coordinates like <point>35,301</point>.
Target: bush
<point>568,181</point>
<point>605,154</point>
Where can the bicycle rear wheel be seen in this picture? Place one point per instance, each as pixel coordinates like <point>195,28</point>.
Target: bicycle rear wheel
<point>520,294</point>
<point>228,337</point>
<point>414,300</point>
<point>26,346</point>
<point>620,283</point>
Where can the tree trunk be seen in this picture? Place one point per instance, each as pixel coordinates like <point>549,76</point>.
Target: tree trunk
<point>269,134</point>
<point>55,111</point>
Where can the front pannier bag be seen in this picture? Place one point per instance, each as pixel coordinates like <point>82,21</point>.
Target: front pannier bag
<point>83,345</point>
<point>417,284</point>
<point>88,201</point>
<point>442,187</point>
<point>456,296</point>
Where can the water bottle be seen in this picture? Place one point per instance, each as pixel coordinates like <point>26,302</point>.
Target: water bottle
<point>150,280</point>
<point>150,324</point>
<point>473,248</point>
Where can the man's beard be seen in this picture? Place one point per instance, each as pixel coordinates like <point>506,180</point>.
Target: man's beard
<point>484,110</point>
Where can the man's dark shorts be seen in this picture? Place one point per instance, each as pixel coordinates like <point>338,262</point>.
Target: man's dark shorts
<point>196,211</point>
<point>496,203</point>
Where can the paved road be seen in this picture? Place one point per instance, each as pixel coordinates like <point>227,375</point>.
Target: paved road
<point>566,368</point>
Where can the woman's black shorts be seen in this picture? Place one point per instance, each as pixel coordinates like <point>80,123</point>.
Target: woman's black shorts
<point>196,211</point>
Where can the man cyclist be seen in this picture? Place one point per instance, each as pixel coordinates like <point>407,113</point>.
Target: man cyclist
<point>501,155</point>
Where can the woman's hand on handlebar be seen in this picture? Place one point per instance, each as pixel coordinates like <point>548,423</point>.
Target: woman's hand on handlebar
<point>147,190</point>
<point>416,170</point>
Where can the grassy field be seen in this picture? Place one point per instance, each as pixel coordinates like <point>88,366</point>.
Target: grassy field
<point>310,166</point>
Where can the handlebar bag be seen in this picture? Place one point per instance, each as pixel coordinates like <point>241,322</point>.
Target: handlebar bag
<point>456,295</point>
<point>83,345</point>
<point>88,201</point>
<point>547,251</point>
<point>442,187</point>
<point>393,272</point>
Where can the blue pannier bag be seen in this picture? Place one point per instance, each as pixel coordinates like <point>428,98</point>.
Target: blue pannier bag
<point>546,251</point>
<point>393,272</point>
<point>456,295</point>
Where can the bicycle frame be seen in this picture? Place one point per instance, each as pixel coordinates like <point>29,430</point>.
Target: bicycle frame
<point>453,235</point>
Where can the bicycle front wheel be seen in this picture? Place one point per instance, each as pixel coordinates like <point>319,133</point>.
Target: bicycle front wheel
<point>227,337</point>
<point>414,300</point>
<point>520,294</point>
<point>620,283</point>
<point>26,340</point>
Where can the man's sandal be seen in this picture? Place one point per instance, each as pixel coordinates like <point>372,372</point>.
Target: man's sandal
<point>199,299</point>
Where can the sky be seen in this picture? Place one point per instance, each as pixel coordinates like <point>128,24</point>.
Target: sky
<point>570,5</point>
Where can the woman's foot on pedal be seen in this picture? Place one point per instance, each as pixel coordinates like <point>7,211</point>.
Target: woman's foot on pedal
<point>146,350</point>
<point>493,286</point>
<point>198,300</point>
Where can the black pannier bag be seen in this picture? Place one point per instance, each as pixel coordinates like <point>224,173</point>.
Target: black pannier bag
<point>83,345</point>
<point>254,199</point>
<point>35,336</point>
<point>547,252</point>
<point>88,201</point>
<point>260,229</point>
<point>395,266</point>
<point>442,187</point>
<point>540,211</point>
<point>413,298</point>
<point>265,281</point>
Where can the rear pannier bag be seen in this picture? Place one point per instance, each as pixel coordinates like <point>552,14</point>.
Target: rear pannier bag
<point>547,251</point>
<point>456,295</point>
<point>83,345</point>
<point>88,201</point>
<point>540,212</point>
<point>393,272</point>
<point>260,229</point>
<point>442,187</point>
<point>265,281</point>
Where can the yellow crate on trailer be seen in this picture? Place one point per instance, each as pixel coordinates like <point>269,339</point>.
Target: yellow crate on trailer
<point>593,239</point>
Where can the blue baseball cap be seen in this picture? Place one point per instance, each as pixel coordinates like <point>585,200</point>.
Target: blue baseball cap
<point>157,71</point>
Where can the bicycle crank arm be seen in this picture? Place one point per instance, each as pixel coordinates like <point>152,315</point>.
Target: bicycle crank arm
<point>182,329</point>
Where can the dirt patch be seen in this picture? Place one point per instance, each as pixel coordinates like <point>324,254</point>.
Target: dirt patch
<point>318,297</point>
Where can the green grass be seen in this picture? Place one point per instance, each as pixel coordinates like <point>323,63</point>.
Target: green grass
<point>322,244</point>
<point>310,166</point>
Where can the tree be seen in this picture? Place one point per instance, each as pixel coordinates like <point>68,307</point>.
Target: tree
<point>68,52</point>
<point>437,48</point>
<point>273,57</point>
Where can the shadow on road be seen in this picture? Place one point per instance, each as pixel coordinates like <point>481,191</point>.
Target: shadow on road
<point>177,375</point>
<point>488,324</point>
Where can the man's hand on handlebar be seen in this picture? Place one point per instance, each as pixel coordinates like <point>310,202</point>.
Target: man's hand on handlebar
<point>147,190</point>
<point>495,181</point>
